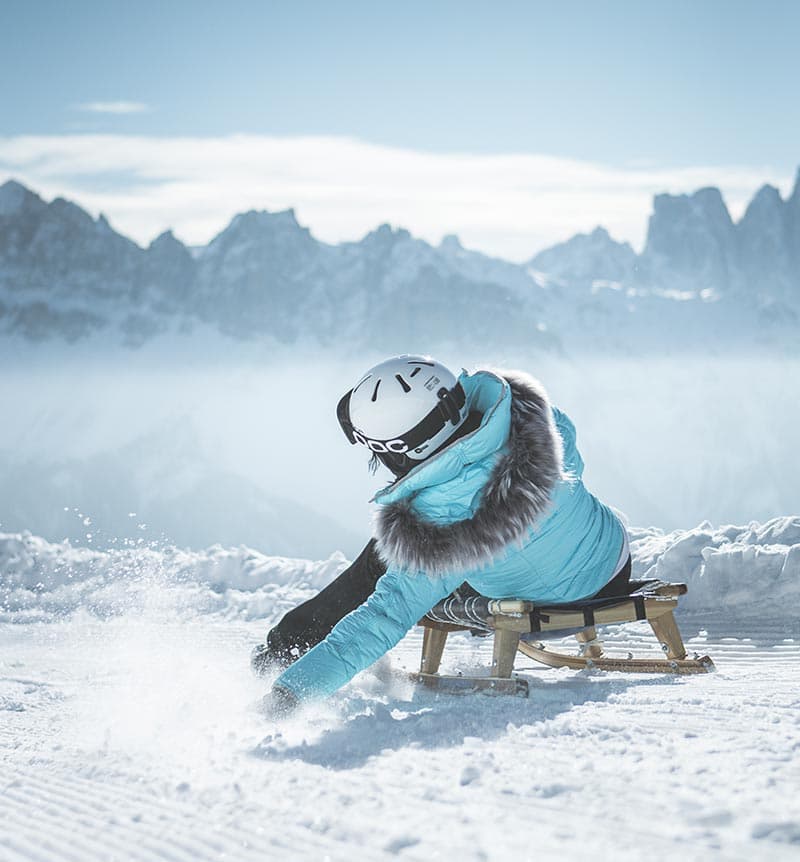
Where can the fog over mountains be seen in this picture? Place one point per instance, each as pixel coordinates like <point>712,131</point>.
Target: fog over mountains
<point>701,280</point>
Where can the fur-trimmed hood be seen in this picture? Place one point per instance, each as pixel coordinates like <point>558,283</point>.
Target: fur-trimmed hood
<point>516,458</point>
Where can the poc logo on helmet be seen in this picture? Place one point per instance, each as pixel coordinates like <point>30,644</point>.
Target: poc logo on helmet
<point>396,446</point>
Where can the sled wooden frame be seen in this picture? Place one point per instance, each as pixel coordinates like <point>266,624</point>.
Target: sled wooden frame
<point>510,619</point>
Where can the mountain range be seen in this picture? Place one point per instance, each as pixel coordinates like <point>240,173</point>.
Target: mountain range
<point>701,278</point>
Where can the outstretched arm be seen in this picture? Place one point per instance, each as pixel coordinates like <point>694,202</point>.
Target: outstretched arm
<point>366,634</point>
<point>311,622</point>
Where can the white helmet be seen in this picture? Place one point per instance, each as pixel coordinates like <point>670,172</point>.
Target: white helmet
<point>406,405</point>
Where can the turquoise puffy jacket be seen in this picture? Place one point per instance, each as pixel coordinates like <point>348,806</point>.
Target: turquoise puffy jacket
<point>503,508</point>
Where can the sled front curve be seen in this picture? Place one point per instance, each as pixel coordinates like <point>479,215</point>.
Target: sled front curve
<point>517,625</point>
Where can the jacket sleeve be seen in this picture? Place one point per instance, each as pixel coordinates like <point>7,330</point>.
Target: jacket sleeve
<point>573,463</point>
<point>367,633</point>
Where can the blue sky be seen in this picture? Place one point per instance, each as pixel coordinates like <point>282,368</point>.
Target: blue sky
<point>662,93</point>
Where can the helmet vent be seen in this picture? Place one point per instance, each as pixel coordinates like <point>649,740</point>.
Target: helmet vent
<point>399,379</point>
<point>415,371</point>
<point>375,391</point>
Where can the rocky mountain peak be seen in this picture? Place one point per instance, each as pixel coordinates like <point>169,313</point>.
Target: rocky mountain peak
<point>765,247</point>
<point>163,238</point>
<point>586,258</point>
<point>793,228</point>
<point>263,220</point>
<point>794,198</point>
<point>387,232</point>
<point>710,201</point>
<point>166,240</point>
<point>703,210</point>
<point>765,214</point>
<point>14,198</point>
<point>70,214</point>
<point>263,228</point>
<point>691,243</point>
<point>451,244</point>
<point>168,259</point>
<point>767,201</point>
<point>383,239</point>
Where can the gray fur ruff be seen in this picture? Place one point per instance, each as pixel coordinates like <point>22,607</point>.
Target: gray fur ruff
<point>516,494</point>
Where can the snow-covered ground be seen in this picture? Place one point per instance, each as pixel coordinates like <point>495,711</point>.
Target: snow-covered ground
<point>130,728</point>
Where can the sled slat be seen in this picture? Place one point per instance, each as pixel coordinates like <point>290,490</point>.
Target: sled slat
<point>470,684</point>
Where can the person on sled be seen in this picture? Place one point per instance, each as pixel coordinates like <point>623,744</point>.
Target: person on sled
<point>487,495</point>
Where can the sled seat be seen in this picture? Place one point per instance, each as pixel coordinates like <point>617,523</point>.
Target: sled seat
<point>520,625</point>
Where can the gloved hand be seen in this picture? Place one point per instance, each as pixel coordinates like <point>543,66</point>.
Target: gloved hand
<point>262,660</point>
<point>272,655</point>
<point>279,702</point>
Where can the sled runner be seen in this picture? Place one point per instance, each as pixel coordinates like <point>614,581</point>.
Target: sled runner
<point>520,625</point>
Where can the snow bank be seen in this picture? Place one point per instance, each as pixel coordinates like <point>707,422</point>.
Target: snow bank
<point>727,567</point>
<point>40,580</point>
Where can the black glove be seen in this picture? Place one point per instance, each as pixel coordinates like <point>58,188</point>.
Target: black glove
<point>261,660</point>
<point>279,702</point>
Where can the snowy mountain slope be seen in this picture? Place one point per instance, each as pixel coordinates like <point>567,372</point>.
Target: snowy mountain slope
<point>129,726</point>
<point>266,277</point>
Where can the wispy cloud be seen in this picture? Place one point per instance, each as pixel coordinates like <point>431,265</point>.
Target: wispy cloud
<point>509,205</point>
<point>113,107</point>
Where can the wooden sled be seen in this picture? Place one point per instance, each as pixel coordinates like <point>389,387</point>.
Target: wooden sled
<point>518,625</point>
